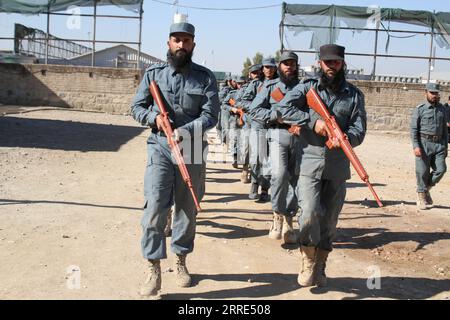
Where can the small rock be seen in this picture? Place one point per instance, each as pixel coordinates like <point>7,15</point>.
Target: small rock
<point>249,280</point>
<point>65,236</point>
<point>169,269</point>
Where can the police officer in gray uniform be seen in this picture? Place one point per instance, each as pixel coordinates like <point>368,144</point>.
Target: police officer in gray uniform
<point>223,92</point>
<point>191,98</point>
<point>259,152</point>
<point>244,102</point>
<point>429,137</point>
<point>284,148</point>
<point>234,128</point>
<point>225,111</point>
<point>323,171</point>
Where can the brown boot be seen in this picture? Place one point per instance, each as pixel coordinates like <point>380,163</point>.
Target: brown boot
<point>319,271</point>
<point>277,225</point>
<point>306,274</point>
<point>421,201</point>
<point>288,234</point>
<point>183,276</point>
<point>152,285</point>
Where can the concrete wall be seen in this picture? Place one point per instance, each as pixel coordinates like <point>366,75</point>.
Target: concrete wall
<point>388,104</point>
<point>103,89</point>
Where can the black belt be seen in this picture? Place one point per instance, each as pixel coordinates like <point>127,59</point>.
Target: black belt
<point>431,137</point>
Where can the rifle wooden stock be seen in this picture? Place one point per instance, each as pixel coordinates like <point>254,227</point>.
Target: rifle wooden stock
<point>239,111</point>
<point>278,95</point>
<point>167,128</point>
<point>315,102</point>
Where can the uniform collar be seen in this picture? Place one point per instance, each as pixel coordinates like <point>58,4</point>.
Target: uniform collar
<point>183,70</point>
<point>429,105</point>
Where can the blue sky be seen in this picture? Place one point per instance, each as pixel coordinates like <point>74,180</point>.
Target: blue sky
<point>225,38</point>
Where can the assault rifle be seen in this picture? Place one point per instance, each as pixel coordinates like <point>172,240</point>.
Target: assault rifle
<point>168,131</point>
<point>315,102</point>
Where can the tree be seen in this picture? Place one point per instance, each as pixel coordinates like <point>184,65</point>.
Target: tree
<point>277,56</point>
<point>248,63</point>
<point>258,58</point>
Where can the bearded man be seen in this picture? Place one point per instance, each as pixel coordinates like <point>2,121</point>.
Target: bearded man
<point>323,171</point>
<point>190,94</point>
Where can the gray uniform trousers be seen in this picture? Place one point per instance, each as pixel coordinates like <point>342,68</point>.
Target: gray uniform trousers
<point>259,157</point>
<point>233,135</point>
<point>321,202</point>
<point>225,124</point>
<point>433,156</point>
<point>284,157</point>
<point>164,185</point>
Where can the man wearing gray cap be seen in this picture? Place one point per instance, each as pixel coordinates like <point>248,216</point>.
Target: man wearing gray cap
<point>323,171</point>
<point>250,91</point>
<point>229,106</point>
<point>259,152</point>
<point>189,92</point>
<point>284,147</point>
<point>222,94</point>
<point>429,137</point>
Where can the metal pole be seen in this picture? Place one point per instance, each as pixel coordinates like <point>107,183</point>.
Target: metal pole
<point>283,10</point>
<point>93,37</point>
<point>375,55</point>
<point>138,62</point>
<point>48,34</point>
<point>431,52</point>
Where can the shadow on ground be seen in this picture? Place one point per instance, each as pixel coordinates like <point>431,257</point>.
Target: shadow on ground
<point>64,135</point>
<point>268,285</point>
<point>5,202</point>
<point>370,238</point>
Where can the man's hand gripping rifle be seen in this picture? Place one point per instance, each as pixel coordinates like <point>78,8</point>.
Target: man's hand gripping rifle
<point>334,132</point>
<point>168,131</point>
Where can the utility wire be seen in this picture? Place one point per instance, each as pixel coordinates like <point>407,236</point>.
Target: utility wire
<point>218,9</point>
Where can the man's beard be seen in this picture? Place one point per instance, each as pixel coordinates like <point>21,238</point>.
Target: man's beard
<point>433,101</point>
<point>180,58</point>
<point>289,80</point>
<point>332,83</point>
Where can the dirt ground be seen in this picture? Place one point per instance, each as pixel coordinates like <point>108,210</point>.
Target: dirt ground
<point>71,192</point>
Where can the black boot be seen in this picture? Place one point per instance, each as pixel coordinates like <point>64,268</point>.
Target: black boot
<point>264,196</point>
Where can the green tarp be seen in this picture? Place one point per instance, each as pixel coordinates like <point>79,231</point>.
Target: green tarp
<point>299,16</point>
<point>43,6</point>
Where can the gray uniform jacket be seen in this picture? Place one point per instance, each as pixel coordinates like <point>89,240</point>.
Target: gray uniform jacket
<point>190,96</point>
<point>223,93</point>
<point>265,109</point>
<point>347,106</point>
<point>249,94</point>
<point>430,120</point>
